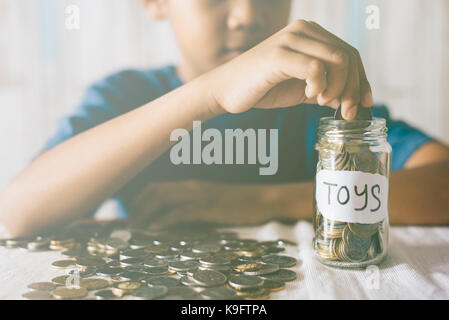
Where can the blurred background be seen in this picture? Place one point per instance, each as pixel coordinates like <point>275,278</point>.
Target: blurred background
<point>45,67</point>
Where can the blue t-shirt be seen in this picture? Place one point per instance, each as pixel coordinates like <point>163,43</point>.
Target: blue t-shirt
<point>130,89</point>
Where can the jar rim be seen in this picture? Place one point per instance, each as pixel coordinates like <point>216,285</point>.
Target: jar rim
<point>376,127</point>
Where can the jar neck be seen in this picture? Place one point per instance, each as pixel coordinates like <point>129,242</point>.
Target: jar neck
<point>367,130</point>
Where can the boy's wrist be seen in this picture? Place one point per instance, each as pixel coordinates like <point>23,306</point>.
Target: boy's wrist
<point>206,84</point>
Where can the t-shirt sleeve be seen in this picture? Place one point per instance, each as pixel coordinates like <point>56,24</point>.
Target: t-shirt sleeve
<point>403,138</point>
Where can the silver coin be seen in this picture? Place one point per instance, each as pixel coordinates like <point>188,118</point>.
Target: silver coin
<point>131,262</point>
<point>108,271</point>
<point>163,281</point>
<point>219,293</point>
<point>363,230</point>
<point>150,293</point>
<point>220,268</point>
<point>266,269</point>
<point>133,276</point>
<point>283,275</point>
<point>133,253</point>
<point>183,266</point>
<point>206,248</point>
<point>281,261</point>
<point>209,278</point>
<point>151,262</point>
<point>354,243</point>
<point>245,282</point>
<point>188,282</point>
<point>213,261</point>
<point>157,271</point>
<point>189,255</point>
<point>366,161</point>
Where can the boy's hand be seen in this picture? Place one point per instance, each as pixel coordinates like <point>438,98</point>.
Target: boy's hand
<point>303,63</point>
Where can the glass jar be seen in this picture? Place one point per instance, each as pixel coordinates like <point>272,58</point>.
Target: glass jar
<point>351,192</point>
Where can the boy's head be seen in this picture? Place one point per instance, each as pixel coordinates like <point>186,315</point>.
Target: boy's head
<point>212,32</point>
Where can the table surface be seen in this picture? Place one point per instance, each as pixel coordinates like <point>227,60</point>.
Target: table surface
<point>417,266</point>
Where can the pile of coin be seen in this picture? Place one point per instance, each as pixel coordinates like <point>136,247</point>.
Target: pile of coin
<point>104,261</point>
<point>341,241</point>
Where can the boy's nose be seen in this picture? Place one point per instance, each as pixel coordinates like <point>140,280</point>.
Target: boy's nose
<point>241,14</point>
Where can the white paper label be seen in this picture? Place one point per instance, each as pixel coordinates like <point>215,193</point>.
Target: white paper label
<point>352,196</point>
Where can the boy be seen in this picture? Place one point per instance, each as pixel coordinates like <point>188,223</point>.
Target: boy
<point>116,144</point>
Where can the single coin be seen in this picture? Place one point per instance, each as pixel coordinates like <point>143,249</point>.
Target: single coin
<point>134,253</point>
<point>64,264</point>
<point>152,262</point>
<point>240,282</point>
<point>121,289</point>
<point>266,269</point>
<point>108,271</point>
<point>94,284</point>
<point>251,251</point>
<point>157,271</point>
<point>283,275</point>
<point>248,267</point>
<point>150,293</point>
<point>189,255</point>
<point>281,261</point>
<point>66,293</point>
<point>163,281</point>
<point>42,286</point>
<point>188,282</point>
<point>38,295</point>
<point>214,260</point>
<point>61,280</point>
<point>220,268</point>
<point>363,230</point>
<point>133,276</point>
<point>183,266</point>
<point>105,295</point>
<point>39,244</point>
<point>366,161</point>
<point>273,286</point>
<point>206,248</point>
<point>131,262</point>
<point>355,243</point>
<point>219,293</point>
<point>209,278</point>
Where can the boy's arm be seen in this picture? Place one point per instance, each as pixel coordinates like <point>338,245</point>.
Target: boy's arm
<point>75,177</point>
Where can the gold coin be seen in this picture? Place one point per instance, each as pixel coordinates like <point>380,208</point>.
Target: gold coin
<point>42,286</point>
<point>248,267</point>
<point>38,295</point>
<point>63,264</point>
<point>123,288</point>
<point>94,284</point>
<point>61,280</point>
<point>66,293</point>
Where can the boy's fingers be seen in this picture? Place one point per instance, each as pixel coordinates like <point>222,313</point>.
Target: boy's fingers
<point>303,67</point>
<point>365,87</point>
<point>336,82</point>
<point>351,96</point>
